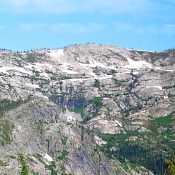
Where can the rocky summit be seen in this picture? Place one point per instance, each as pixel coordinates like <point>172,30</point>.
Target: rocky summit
<point>86,110</point>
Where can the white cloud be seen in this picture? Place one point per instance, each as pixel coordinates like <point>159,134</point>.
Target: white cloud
<point>166,29</point>
<point>67,6</point>
<point>79,28</point>
<point>72,28</point>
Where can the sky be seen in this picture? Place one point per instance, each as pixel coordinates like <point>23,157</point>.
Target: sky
<point>138,24</point>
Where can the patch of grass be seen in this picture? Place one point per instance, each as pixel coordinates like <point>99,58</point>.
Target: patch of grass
<point>31,58</point>
<point>108,95</point>
<point>171,95</point>
<point>23,164</point>
<point>39,158</point>
<point>12,157</point>
<point>52,168</point>
<point>40,125</point>
<point>163,121</point>
<point>97,101</point>
<point>113,138</point>
<point>109,138</point>
<point>6,105</point>
<point>54,98</point>
<point>97,83</point>
<point>2,163</point>
<point>126,102</point>
<point>6,128</point>
<point>64,140</point>
<point>94,114</point>
<point>35,173</point>
<point>118,172</point>
<point>119,82</point>
<point>63,94</point>
<point>63,155</point>
<point>78,110</point>
<point>45,82</point>
<point>125,166</point>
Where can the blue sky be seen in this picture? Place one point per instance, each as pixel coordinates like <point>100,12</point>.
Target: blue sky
<point>139,24</point>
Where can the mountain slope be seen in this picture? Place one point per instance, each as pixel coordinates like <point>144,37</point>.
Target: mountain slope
<point>87,109</point>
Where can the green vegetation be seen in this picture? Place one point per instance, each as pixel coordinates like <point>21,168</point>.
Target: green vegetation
<point>44,82</point>
<point>23,164</point>
<point>148,149</point>
<point>40,125</point>
<point>128,166</point>
<point>6,105</point>
<point>78,110</point>
<point>39,158</point>
<point>31,58</point>
<point>97,101</point>
<point>126,102</point>
<point>94,104</point>
<point>97,83</point>
<point>171,95</point>
<point>170,167</point>
<point>163,121</point>
<point>51,166</point>
<point>2,163</point>
<point>118,172</point>
<point>35,173</point>
<point>170,50</point>
<point>63,94</point>
<point>108,95</point>
<point>54,98</point>
<point>63,154</point>
<point>64,140</point>
<point>6,128</point>
<point>120,82</point>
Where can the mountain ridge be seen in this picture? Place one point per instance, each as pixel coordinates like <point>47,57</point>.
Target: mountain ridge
<point>87,109</point>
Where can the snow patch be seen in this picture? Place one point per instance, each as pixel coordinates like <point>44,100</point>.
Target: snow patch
<point>135,73</point>
<point>99,140</point>
<point>141,50</point>
<point>93,63</point>
<point>67,68</point>
<point>43,65</point>
<point>118,123</point>
<point>32,85</point>
<point>158,87</point>
<point>69,71</point>
<point>105,77</point>
<point>3,70</point>
<point>137,64</point>
<point>78,79</point>
<point>44,74</point>
<point>55,54</point>
<point>48,158</point>
<point>166,70</point>
<point>19,69</point>
<point>123,73</point>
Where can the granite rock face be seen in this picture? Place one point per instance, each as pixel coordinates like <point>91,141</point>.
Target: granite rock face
<point>68,111</point>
